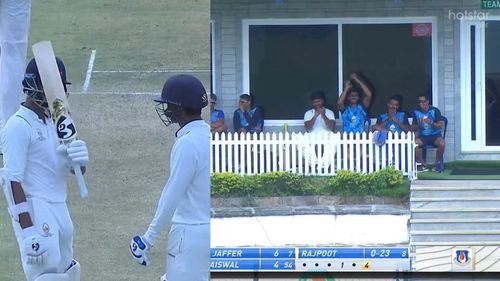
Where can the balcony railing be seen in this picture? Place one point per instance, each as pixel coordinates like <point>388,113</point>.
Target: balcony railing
<point>311,153</point>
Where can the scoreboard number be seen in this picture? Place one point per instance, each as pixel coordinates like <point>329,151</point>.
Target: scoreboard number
<point>384,253</point>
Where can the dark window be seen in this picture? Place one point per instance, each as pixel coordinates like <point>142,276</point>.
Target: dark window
<point>288,62</point>
<point>492,40</point>
<point>395,58</point>
<point>473,81</point>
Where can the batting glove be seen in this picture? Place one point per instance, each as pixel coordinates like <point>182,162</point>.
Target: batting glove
<point>78,153</point>
<point>139,247</point>
<point>63,150</point>
<point>35,248</point>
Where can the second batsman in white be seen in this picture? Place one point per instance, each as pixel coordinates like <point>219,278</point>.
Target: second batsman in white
<point>34,182</point>
<point>185,201</point>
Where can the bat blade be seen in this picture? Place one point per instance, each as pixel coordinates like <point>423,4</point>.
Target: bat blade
<point>57,101</point>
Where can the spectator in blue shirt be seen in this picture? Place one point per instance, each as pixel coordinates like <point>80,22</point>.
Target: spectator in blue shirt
<point>393,120</point>
<point>353,103</point>
<point>217,123</point>
<point>428,124</point>
<point>247,118</point>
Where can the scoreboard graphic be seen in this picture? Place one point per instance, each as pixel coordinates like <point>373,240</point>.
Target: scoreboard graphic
<point>309,259</point>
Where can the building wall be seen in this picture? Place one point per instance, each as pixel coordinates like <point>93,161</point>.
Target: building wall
<point>227,16</point>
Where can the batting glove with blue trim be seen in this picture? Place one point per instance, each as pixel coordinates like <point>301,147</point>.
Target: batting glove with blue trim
<point>139,247</point>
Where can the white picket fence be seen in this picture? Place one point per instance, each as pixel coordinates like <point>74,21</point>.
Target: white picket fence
<point>311,154</point>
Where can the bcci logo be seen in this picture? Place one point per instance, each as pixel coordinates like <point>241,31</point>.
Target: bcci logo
<point>46,228</point>
<point>462,257</point>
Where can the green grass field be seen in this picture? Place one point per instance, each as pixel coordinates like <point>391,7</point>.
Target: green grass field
<point>129,147</point>
<point>127,35</point>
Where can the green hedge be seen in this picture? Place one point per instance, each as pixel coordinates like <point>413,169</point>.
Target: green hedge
<point>386,182</point>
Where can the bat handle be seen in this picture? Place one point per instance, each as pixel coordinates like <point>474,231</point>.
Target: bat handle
<point>80,181</point>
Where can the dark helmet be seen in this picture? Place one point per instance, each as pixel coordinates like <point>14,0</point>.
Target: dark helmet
<point>185,91</point>
<point>32,83</point>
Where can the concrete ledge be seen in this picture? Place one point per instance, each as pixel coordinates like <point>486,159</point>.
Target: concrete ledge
<point>228,212</point>
<point>313,200</point>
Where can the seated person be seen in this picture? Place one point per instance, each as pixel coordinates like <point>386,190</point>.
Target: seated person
<point>428,124</point>
<point>353,103</point>
<point>217,124</point>
<point>319,120</point>
<point>393,120</point>
<point>247,118</point>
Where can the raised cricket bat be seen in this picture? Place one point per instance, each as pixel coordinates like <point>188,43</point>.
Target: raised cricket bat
<point>58,103</point>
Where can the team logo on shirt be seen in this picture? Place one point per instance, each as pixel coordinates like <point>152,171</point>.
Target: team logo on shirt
<point>45,228</point>
<point>40,135</point>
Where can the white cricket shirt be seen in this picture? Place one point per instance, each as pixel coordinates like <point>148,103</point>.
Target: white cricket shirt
<point>185,199</point>
<point>30,156</point>
<point>319,124</point>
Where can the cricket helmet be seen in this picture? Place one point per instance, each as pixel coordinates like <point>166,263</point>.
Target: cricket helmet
<point>32,83</point>
<point>185,91</point>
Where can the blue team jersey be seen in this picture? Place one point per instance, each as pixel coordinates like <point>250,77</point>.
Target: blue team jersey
<point>353,119</point>
<point>249,120</point>
<point>426,129</point>
<point>216,115</point>
<point>391,126</point>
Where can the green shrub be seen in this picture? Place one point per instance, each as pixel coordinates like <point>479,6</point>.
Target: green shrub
<point>346,182</point>
<point>386,182</point>
<point>351,183</point>
<point>281,183</point>
<point>226,184</point>
<point>390,177</point>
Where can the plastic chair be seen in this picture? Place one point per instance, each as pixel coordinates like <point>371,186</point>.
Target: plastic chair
<point>432,146</point>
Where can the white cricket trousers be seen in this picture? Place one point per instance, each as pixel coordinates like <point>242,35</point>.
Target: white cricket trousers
<point>14,29</point>
<point>53,218</point>
<point>317,149</point>
<point>188,253</point>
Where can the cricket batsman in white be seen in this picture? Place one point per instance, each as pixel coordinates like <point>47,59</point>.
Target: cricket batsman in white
<point>34,183</point>
<point>185,201</point>
<point>14,30</point>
